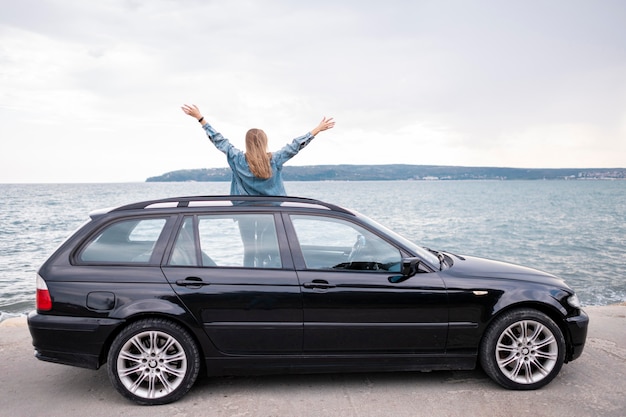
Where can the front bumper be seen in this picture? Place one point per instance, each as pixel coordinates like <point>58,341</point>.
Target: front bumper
<point>577,327</point>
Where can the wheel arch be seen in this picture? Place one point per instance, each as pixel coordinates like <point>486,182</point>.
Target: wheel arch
<point>554,310</point>
<point>159,309</point>
<point>523,356</point>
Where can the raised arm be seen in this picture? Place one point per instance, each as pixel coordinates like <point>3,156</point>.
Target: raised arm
<point>194,111</point>
<point>291,149</point>
<point>215,137</point>
<point>325,124</point>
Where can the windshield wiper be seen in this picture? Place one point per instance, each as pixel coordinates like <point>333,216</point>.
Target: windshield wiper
<point>442,260</point>
<point>440,256</point>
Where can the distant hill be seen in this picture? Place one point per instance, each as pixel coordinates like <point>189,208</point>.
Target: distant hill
<point>402,172</point>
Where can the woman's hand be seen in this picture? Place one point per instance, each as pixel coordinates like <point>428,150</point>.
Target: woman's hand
<point>192,111</point>
<point>325,124</point>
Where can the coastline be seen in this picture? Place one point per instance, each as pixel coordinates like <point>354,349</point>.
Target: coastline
<point>14,322</point>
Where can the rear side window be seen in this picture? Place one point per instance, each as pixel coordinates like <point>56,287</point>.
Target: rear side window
<point>127,241</point>
<point>237,240</point>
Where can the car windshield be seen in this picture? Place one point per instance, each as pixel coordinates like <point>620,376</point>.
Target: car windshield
<point>420,251</point>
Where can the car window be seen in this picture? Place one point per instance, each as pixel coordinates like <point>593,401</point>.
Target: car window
<point>330,243</point>
<point>184,252</point>
<point>237,240</point>
<point>127,241</point>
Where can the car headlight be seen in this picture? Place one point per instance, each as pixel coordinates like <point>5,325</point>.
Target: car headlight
<point>574,301</point>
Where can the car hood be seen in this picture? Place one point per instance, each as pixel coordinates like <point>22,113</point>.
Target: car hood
<point>474,267</point>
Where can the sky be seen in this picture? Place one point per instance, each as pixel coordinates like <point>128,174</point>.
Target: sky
<point>91,91</point>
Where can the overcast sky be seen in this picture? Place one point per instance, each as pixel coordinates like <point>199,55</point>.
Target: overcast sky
<point>90,91</point>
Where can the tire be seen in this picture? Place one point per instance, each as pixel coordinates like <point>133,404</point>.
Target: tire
<point>522,350</point>
<point>153,361</point>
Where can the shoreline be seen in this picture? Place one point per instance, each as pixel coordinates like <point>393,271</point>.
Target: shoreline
<point>14,322</point>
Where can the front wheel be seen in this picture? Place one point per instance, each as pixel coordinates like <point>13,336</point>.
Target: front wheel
<point>523,349</point>
<point>153,361</point>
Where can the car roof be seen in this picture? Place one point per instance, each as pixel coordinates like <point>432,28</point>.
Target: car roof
<point>224,201</point>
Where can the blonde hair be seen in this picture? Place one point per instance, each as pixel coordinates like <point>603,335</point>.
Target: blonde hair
<point>256,154</point>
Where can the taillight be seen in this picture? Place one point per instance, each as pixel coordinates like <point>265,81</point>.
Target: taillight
<point>44,301</point>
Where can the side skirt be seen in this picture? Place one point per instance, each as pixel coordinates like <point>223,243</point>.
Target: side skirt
<point>267,365</point>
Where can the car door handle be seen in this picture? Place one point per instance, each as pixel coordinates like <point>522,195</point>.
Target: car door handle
<point>318,283</point>
<point>192,282</point>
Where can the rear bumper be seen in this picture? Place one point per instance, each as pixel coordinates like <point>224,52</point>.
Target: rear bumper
<point>577,326</point>
<point>75,341</point>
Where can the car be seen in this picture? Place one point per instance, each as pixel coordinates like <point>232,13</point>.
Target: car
<point>163,290</point>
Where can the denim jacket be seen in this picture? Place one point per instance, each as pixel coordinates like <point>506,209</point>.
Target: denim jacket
<point>243,180</point>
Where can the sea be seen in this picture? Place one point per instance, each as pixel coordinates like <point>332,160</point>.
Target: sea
<point>574,229</point>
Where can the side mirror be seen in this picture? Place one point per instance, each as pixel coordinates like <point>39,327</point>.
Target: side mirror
<point>409,266</point>
<point>408,269</point>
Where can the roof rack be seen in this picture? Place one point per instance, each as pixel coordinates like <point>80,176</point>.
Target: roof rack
<point>191,201</point>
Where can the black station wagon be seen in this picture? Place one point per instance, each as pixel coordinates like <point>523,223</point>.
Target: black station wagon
<point>163,289</point>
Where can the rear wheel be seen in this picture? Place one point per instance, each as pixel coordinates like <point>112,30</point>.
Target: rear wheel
<point>153,361</point>
<point>523,349</point>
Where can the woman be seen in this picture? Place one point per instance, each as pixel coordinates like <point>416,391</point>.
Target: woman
<point>256,172</point>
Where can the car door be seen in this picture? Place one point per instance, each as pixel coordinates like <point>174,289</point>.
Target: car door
<point>235,274</point>
<point>351,301</point>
